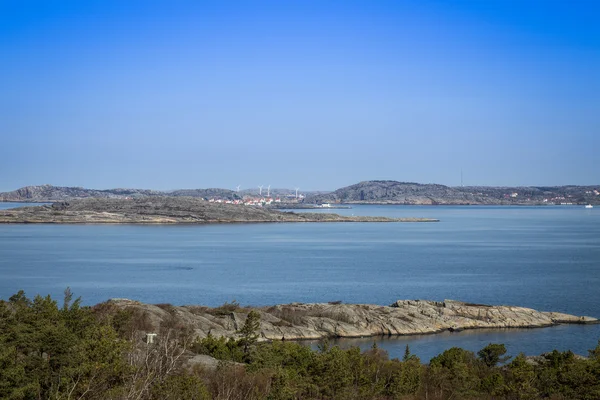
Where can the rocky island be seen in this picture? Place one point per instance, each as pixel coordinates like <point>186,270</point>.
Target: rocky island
<point>300,321</point>
<point>167,210</point>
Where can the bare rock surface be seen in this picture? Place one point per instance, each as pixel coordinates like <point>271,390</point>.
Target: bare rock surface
<point>167,210</point>
<point>394,192</point>
<point>299,321</point>
<point>206,362</point>
<point>49,193</point>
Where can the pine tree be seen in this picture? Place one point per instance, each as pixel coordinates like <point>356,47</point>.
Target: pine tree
<point>407,354</point>
<point>249,332</point>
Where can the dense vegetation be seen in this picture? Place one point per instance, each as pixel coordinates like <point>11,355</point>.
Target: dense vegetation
<point>75,352</point>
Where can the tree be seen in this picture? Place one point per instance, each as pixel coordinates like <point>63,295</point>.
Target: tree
<point>520,382</point>
<point>492,354</point>
<point>332,373</point>
<point>408,355</point>
<point>52,352</point>
<point>595,353</point>
<point>454,372</point>
<point>249,332</point>
<point>407,379</point>
<point>181,386</point>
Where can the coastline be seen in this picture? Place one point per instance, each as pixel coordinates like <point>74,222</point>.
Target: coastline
<point>315,321</point>
<point>168,210</point>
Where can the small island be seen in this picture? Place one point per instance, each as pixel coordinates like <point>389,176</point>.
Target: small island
<point>313,321</point>
<point>168,210</point>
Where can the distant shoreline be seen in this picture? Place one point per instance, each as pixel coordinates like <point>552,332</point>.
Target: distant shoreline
<point>170,211</point>
<point>343,206</point>
<point>377,192</point>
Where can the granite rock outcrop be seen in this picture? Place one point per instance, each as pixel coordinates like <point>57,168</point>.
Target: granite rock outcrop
<point>298,321</point>
<point>168,210</point>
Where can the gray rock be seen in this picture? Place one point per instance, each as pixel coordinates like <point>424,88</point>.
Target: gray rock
<point>322,320</point>
<point>167,210</point>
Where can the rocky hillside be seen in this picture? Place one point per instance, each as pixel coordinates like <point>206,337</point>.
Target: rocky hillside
<point>321,320</point>
<point>367,192</point>
<point>165,210</point>
<point>393,192</point>
<point>49,193</point>
<point>205,193</point>
<point>534,194</point>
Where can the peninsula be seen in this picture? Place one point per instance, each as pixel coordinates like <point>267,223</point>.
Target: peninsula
<point>299,321</point>
<point>168,210</point>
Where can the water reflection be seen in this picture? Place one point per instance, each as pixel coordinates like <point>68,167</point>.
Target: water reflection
<point>577,338</point>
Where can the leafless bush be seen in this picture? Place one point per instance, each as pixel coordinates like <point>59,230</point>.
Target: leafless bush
<point>127,322</point>
<point>166,307</point>
<point>226,309</point>
<point>198,310</point>
<point>152,363</point>
<point>232,382</point>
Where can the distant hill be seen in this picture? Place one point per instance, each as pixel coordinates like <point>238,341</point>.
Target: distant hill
<point>393,192</point>
<point>205,193</point>
<point>45,193</point>
<point>367,192</point>
<point>49,193</point>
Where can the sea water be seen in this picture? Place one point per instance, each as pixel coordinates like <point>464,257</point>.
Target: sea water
<point>547,258</point>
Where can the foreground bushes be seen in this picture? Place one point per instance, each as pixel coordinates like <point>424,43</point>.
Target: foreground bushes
<point>74,352</point>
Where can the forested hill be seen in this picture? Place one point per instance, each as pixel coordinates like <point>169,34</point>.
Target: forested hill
<point>393,192</point>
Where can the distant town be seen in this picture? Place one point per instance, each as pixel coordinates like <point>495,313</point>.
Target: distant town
<point>258,200</point>
<point>556,200</point>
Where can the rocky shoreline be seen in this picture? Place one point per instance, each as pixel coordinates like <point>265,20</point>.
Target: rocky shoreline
<point>300,321</point>
<point>167,210</point>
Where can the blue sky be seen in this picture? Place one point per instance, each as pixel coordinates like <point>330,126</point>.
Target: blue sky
<point>315,94</point>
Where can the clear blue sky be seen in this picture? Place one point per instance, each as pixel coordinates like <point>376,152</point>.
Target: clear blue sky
<point>315,94</point>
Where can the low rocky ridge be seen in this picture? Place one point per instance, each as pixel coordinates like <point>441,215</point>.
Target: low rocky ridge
<point>393,192</point>
<point>298,321</point>
<point>49,193</point>
<point>167,210</point>
<point>366,192</point>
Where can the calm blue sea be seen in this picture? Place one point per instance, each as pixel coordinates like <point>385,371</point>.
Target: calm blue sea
<point>546,258</point>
